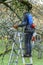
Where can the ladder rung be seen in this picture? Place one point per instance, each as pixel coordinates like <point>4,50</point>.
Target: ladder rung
<point>28,64</point>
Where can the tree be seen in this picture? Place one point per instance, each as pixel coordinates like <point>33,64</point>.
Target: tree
<point>1,1</point>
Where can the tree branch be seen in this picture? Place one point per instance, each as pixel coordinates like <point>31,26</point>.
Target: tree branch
<point>5,52</point>
<point>26,3</point>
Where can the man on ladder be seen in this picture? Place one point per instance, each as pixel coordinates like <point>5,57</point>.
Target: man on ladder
<point>29,30</point>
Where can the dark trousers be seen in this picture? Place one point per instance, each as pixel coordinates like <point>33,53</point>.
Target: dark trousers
<point>28,47</point>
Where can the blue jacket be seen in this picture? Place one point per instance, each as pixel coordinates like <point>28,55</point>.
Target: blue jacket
<point>27,21</point>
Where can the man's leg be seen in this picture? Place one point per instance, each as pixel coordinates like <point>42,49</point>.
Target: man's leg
<point>30,47</point>
<point>28,44</point>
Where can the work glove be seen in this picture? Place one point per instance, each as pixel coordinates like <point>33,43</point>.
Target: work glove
<point>33,25</point>
<point>15,26</point>
<point>33,38</point>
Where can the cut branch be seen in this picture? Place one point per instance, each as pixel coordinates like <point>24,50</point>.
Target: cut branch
<point>5,52</point>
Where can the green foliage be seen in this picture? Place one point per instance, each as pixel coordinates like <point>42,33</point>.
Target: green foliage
<point>7,17</point>
<point>5,60</point>
<point>19,7</point>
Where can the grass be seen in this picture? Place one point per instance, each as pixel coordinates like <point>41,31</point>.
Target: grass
<point>36,61</point>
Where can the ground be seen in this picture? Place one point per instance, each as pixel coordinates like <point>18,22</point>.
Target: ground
<point>36,61</point>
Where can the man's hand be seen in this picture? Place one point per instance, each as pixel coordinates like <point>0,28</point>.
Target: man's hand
<point>33,25</point>
<point>15,26</point>
<point>33,38</point>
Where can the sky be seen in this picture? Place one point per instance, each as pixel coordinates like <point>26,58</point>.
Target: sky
<point>36,1</point>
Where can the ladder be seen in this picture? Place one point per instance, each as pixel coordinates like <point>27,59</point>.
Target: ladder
<point>20,51</point>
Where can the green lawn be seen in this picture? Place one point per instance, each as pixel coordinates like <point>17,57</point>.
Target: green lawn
<point>36,61</point>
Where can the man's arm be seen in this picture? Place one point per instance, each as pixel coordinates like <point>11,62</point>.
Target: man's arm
<point>22,24</point>
<point>24,21</point>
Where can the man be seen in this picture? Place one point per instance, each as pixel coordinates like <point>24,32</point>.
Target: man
<point>29,30</point>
